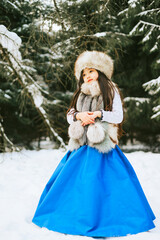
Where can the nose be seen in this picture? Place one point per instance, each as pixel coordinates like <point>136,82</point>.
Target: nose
<point>88,75</point>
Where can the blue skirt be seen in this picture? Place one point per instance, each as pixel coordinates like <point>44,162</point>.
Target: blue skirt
<point>94,194</point>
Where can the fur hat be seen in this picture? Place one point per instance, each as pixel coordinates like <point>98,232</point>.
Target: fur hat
<point>94,59</point>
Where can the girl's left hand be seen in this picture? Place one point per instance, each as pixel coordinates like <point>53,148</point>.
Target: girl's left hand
<point>94,115</point>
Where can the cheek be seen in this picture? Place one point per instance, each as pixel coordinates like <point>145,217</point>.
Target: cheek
<point>96,76</point>
<point>84,79</point>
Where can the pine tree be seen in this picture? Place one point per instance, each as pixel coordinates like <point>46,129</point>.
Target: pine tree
<point>53,34</point>
<point>24,76</point>
<point>140,20</point>
<point>153,87</point>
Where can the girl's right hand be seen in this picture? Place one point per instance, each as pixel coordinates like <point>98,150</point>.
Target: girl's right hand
<point>85,117</point>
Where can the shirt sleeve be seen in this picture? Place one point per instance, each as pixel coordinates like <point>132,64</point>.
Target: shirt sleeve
<point>70,115</point>
<point>116,115</point>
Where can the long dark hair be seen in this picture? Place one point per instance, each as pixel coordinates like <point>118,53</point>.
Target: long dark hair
<point>107,89</point>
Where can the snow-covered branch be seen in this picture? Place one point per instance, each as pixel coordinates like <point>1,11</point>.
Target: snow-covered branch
<point>13,5</point>
<point>132,3</point>
<point>123,11</point>
<point>144,23</point>
<point>153,86</point>
<point>10,43</point>
<point>157,112</point>
<point>102,34</point>
<point>6,139</point>
<point>148,11</point>
<point>138,100</point>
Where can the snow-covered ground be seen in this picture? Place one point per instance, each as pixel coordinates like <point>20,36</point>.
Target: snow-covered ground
<point>24,175</point>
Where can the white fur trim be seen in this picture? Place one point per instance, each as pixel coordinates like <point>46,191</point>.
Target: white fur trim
<point>92,89</point>
<point>113,132</point>
<point>94,59</point>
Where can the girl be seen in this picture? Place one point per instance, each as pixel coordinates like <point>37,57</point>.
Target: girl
<point>94,191</point>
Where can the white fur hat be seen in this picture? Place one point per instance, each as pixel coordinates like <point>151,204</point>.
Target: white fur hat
<point>94,59</point>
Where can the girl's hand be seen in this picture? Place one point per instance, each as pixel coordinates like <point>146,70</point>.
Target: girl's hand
<point>96,114</point>
<point>85,117</point>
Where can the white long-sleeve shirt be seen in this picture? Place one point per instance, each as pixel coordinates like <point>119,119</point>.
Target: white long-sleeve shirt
<point>114,116</point>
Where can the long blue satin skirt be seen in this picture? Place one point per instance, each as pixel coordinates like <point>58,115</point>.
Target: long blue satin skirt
<point>94,194</point>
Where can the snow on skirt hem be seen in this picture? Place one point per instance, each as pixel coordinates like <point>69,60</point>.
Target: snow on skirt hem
<point>94,194</point>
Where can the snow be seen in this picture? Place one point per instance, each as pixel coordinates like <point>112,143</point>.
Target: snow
<point>142,28</point>
<point>127,99</point>
<point>157,112</point>
<point>5,95</point>
<point>122,12</point>
<point>146,12</point>
<point>144,23</point>
<point>148,36</point>
<point>10,41</point>
<point>102,34</point>
<point>48,26</point>
<point>47,2</point>
<point>13,5</point>
<point>36,94</point>
<point>153,86</point>
<point>155,47</point>
<point>155,115</point>
<point>6,139</point>
<point>23,176</point>
<point>56,101</point>
<point>29,69</point>
<point>138,100</point>
<point>132,3</point>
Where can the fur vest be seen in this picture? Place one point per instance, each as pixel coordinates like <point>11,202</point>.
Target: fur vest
<point>100,135</point>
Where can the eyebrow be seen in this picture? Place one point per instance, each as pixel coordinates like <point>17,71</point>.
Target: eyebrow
<point>89,69</point>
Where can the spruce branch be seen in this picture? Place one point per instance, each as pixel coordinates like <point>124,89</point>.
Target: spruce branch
<point>33,89</point>
<point>6,140</point>
<point>144,23</point>
<point>148,11</point>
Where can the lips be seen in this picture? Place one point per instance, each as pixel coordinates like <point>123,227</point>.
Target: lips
<point>90,80</point>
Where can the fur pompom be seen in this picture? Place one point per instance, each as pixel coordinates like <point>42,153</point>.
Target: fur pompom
<point>107,144</point>
<point>76,130</point>
<point>95,133</point>
<point>73,144</point>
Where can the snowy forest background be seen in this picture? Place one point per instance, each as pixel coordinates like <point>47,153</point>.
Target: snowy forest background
<point>39,43</point>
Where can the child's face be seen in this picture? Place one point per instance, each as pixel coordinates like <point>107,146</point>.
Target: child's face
<point>90,75</point>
